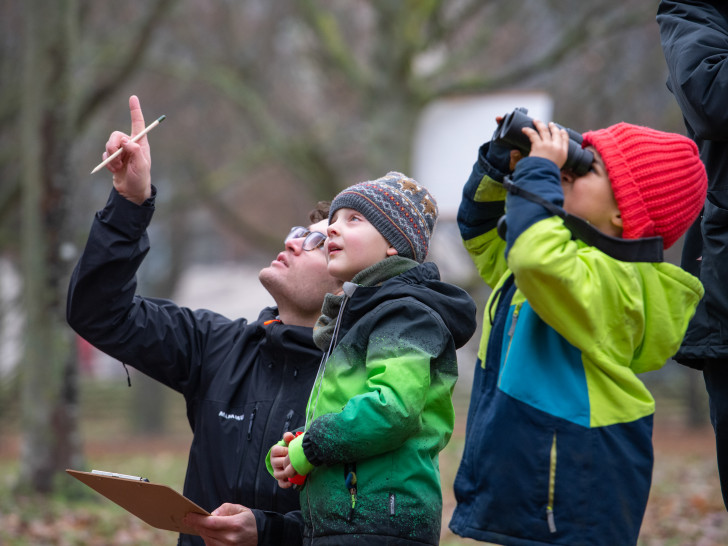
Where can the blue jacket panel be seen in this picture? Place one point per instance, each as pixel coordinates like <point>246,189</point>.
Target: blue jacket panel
<point>531,477</point>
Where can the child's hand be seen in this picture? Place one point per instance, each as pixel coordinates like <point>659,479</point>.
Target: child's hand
<point>281,463</point>
<point>500,155</point>
<point>548,141</point>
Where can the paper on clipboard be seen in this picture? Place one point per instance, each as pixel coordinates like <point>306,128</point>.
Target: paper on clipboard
<point>158,505</point>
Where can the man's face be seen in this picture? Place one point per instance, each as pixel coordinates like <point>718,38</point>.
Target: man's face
<point>298,279</point>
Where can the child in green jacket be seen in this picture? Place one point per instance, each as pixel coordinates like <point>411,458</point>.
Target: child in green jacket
<point>381,409</point>
<point>559,435</point>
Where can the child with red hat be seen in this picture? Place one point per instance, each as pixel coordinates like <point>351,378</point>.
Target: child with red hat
<point>559,433</point>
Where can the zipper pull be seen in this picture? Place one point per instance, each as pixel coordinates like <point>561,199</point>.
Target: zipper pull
<point>514,320</point>
<point>550,519</point>
<point>351,486</point>
<point>287,424</point>
<point>250,425</point>
<point>552,487</point>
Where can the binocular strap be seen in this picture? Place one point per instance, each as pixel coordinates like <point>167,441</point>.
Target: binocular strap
<point>647,249</point>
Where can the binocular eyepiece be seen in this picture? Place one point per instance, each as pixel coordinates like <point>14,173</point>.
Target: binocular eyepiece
<point>509,133</point>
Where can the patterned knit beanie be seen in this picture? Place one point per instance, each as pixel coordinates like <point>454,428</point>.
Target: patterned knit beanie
<point>398,207</point>
<point>658,179</point>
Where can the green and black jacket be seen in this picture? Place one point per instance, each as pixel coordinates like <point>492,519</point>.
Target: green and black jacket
<point>381,408</point>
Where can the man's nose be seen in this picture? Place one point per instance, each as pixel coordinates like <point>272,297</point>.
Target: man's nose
<point>295,245</point>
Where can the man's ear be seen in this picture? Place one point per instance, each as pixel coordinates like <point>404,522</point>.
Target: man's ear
<point>391,251</point>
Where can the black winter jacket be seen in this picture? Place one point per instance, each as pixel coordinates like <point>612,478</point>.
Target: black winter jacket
<point>244,383</point>
<point>694,37</point>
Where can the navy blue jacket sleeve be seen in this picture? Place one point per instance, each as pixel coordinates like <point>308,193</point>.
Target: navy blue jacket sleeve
<point>478,217</point>
<point>538,176</point>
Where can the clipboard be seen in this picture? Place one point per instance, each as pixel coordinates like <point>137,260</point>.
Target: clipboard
<point>158,505</point>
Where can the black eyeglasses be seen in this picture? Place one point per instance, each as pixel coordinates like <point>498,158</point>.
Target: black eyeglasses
<point>313,239</point>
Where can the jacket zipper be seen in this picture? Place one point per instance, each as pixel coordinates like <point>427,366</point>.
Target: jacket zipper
<point>349,289</point>
<point>313,400</point>
<point>287,424</point>
<point>249,435</point>
<point>552,487</point>
<point>511,331</point>
<point>252,419</point>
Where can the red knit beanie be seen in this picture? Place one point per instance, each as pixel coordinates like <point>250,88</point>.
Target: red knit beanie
<point>658,179</point>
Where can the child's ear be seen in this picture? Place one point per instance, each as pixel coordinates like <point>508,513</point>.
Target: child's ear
<point>391,251</point>
<point>617,221</point>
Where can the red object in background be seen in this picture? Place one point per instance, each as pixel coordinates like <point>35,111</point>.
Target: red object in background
<point>298,479</point>
<point>85,356</point>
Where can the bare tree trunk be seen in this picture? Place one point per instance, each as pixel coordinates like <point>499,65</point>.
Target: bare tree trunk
<point>49,402</point>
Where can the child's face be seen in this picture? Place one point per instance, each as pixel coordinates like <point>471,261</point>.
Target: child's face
<point>353,244</point>
<point>591,197</point>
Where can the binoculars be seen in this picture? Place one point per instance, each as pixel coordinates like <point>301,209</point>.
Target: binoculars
<point>509,133</point>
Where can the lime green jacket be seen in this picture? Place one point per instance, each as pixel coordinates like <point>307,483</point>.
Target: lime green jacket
<point>625,318</point>
<point>558,446</point>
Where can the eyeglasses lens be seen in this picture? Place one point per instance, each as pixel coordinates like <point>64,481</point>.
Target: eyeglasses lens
<point>296,233</point>
<point>313,239</point>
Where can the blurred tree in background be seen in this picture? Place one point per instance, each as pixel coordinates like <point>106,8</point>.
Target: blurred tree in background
<point>51,112</point>
<point>272,105</point>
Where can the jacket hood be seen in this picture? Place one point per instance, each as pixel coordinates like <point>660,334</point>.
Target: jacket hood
<point>453,304</point>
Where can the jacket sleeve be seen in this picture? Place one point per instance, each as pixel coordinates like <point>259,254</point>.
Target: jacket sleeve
<point>275,529</point>
<point>155,336</point>
<point>694,40</point>
<point>400,379</point>
<point>482,205</point>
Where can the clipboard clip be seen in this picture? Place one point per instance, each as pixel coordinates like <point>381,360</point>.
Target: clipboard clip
<point>115,475</point>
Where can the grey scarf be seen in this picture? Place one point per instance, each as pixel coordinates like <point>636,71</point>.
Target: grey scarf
<point>373,275</point>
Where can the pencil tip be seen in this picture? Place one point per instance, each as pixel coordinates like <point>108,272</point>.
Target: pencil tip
<point>162,118</point>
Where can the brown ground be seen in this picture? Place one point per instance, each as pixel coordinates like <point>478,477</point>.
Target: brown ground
<point>685,505</point>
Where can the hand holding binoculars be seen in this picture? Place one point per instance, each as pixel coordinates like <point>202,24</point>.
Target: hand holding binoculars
<point>509,133</point>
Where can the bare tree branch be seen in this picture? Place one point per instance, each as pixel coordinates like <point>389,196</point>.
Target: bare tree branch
<point>336,54</point>
<point>591,25</point>
<point>130,64</point>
